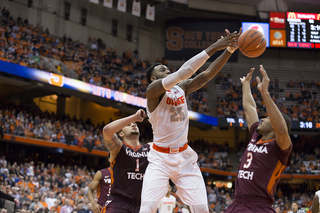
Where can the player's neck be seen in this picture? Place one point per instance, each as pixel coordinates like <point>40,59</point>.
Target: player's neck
<point>268,136</point>
<point>132,140</point>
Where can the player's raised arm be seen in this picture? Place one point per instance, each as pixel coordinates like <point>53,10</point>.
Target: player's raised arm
<point>112,141</point>
<point>277,120</point>
<point>92,187</point>
<point>249,105</point>
<point>200,80</point>
<point>159,86</point>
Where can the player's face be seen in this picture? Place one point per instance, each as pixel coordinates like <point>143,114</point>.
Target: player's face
<point>294,207</point>
<point>264,126</point>
<point>160,71</point>
<point>130,129</point>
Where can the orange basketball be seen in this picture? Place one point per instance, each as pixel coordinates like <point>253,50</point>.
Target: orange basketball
<point>252,43</point>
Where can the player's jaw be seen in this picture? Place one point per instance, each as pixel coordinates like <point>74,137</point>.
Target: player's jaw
<point>264,126</point>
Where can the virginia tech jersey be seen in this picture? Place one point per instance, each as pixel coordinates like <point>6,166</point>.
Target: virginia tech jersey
<point>170,120</point>
<point>260,168</point>
<point>103,189</point>
<point>128,169</point>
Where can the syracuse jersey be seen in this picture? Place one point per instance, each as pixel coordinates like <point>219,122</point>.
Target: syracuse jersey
<point>170,121</point>
<point>260,168</point>
<point>103,189</point>
<point>128,169</point>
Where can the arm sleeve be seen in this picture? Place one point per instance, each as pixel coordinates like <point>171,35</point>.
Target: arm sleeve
<point>6,196</point>
<point>186,70</point>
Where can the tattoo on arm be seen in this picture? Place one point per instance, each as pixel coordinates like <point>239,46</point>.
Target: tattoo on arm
<point>113,143</point>
<point>196,83</point>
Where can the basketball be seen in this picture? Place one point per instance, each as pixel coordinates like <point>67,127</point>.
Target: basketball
<point>252,43</point>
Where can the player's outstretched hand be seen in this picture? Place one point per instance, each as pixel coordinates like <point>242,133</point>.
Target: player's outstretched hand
<point>140,115</point>
<point>247,79</point>
<point>234,48</point>
<point>263,86</point>
<point>96,208</point>
<point>16,201</point>
<point>230,40</point>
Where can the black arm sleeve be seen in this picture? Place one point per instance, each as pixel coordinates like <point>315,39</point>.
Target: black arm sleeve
<point>6,196</point>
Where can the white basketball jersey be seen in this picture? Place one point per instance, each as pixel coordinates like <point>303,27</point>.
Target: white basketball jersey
<point>167,204</point>
<point>170,120</point>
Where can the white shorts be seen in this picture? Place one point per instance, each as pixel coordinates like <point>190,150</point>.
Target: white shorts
<point>182,169</point>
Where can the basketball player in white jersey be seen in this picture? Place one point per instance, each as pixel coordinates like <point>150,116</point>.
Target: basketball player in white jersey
<point>168,203</point>
<point>170,156</point>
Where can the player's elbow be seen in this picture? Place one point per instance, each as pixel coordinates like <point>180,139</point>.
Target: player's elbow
<point>107,130</point>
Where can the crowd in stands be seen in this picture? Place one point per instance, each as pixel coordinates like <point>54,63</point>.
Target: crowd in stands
<point>30,121</point>
<point>52,188</point>
<point>305,106</point>
<point>94,62</point>
<point>20,42</point>
<point>212,155</point>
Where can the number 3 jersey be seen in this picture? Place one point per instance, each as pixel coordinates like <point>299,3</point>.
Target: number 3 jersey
<point>128,169</point>
<point>170,121</point>
<point>260,168</point>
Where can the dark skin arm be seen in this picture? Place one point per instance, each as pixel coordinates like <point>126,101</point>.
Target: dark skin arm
<point>155,90</point>
<point>92,187</point>
<point>191,85</point>
<point>315,204</point>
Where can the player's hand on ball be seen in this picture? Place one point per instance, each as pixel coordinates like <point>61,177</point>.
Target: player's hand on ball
<point>96,208</point>
<point>263,86</point>
<point>140,115</point>
<point>234,48</point>
<point>230,40</point>
<point>247,79</point>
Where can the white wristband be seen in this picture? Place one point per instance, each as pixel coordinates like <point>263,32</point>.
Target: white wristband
<point>230,50</point>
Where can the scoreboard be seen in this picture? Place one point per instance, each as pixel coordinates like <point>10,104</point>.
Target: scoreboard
<point>241,122</point>
<point>294,30</point>
<point>303,30</point>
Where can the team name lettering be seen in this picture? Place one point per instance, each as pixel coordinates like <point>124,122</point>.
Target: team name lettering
<point>167,203</point>
<point>175,102</point>
<point>245,175</point>
<point>254,148</point>
<point>135,176</point>
<point>136,154</point>
<point>107,180</point>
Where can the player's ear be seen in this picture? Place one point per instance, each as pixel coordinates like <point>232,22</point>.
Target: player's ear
<point>153,78</point>
<point>120,134</point>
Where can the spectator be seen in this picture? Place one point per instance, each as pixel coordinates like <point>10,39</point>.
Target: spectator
<point>24,200</point>
<point>66,208</point>
<point>50,200</point>
<point>79,208</point>
<point>295,208</point>
<point>36,205</point>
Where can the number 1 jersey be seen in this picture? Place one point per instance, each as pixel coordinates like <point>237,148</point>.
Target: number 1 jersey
<point>260,168</point>
<point>128,170</point>
<point>170,121</point>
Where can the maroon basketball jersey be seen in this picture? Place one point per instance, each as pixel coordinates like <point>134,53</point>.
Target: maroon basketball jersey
<point>103,189</point>
<point>128,170</point>
<point>260,168</point>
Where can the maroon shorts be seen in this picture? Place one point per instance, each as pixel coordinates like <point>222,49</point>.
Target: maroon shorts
<point>250,206</point>
<point>116,204</point>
